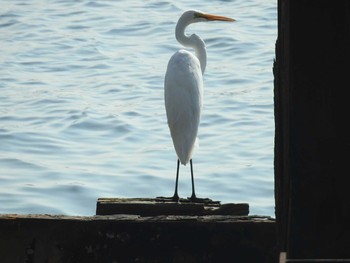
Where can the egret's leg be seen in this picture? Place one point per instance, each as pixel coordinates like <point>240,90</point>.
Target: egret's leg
<point>176,195</point>
<point>193,196</point>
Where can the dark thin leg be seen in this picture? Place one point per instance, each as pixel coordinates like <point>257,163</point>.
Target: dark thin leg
<point>193,196</point>
<point>176,195</point>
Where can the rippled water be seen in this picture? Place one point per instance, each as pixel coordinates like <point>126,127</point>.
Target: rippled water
<point>82,112</point>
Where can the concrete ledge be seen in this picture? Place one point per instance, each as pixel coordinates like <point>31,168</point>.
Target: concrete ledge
<point>131,238</point>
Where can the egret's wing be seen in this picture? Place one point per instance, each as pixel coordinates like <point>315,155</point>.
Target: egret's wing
<point>183,92</point>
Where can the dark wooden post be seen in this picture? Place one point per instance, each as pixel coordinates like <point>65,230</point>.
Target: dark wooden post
<point>312,82</point>
<point>282,116</point>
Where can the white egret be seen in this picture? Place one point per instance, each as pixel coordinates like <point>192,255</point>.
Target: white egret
<point>183,91</point>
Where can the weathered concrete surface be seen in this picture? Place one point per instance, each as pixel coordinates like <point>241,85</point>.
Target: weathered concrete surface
<point>128,238</point>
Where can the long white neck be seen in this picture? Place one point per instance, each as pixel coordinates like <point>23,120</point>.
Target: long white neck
<point>193,41</point>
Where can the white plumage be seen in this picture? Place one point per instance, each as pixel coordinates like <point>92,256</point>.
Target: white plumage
<point>183,90</point>
<point>183,99</point>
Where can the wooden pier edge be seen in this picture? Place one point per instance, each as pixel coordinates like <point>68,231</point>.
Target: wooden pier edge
<point>135,238</point>
<point>156,206</point>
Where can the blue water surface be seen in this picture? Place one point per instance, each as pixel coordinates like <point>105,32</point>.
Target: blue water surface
<point>82,110</point>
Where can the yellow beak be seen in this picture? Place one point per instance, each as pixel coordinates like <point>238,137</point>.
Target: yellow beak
<point>217,18</point>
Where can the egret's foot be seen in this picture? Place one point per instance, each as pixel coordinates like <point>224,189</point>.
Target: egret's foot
<point>168,199</point>
<point>195,199</point>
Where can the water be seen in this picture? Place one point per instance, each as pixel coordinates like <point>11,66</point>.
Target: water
<point>82,113</point>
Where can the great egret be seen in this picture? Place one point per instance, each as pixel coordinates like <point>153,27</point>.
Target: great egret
<point>183,91</point>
